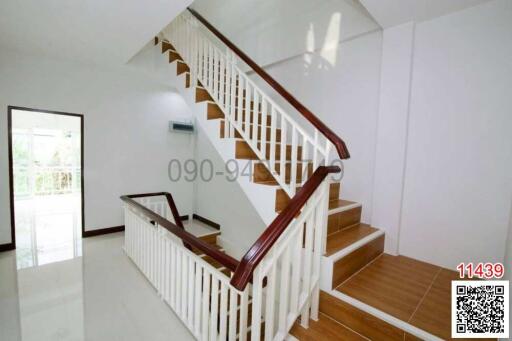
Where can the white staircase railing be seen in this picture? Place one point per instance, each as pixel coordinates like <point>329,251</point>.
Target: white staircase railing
<point>285,283</point>
<point>197,292</point>
<point>274,136</point>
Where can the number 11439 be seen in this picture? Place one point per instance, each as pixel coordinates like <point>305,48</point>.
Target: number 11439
<point>481,270</point>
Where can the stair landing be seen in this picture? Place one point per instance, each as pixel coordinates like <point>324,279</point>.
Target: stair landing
<point>415,292</point>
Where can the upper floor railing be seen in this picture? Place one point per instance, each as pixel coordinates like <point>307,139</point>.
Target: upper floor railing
<point>46,180</point>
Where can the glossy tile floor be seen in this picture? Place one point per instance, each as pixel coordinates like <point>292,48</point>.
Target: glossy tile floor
<point>48,229</point>
<point>97,296</point>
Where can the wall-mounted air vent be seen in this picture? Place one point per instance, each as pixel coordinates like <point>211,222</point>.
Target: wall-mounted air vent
<point>181,127</point>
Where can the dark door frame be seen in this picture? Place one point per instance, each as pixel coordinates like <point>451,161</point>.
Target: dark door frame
<point>10,108</point>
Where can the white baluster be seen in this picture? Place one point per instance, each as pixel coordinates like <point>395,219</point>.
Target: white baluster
<point>315,150</point>
<point>293,162</point>
<point>296,270</point>
<point>222,84</point>
<point>283,292</point>
<point>254,133</point>
<point>184,285</point>
<point>227,96</point>
<point>242,335</point>
<point>257,298</point>
<point>308,253</point>
<point>263,128</point>
<point>234,77</point>
<point>214,309</point>
<point>215,75</point>
<point>239,109</point>
<point>174,279</point>
<point>223,311</point>
<point>320,236</point>
<point>233,312</point>
<point>282,157</point>
<point>273,138</point>
<point>233,100</point>
<point>206,305</point>
<point>197,299</point>
<point>270,302</point>
<point>191,293</point>
<point>211,64</point>
<point>305,161</point>
<point>247,98</point>
<point>179,282</point>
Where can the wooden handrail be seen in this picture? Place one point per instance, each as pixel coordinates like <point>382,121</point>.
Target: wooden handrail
<point>262,246</point>
<point>312,118</point>
<point>188,238</point>
<point>170,202</point>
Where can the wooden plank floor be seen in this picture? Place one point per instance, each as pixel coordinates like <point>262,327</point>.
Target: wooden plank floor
<point>410,290</point>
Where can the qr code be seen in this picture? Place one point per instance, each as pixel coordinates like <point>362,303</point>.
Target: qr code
<point>480,309</point>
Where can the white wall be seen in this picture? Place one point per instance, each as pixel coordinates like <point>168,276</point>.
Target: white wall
<point>458,177</point>
<point>127,143</point>
<point>391,139</point>
<point>507,261</point>
<point>345,96</point>
<point>224,201</point>
<point>270,31</point>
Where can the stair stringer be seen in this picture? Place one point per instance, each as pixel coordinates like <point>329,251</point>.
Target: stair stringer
<point>262,197</point>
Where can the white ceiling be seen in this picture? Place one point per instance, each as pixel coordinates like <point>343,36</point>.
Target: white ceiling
<point>389,13</point>
<point>98,31</point>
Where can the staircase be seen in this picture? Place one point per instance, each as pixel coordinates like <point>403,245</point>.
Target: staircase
<point>295,279</point>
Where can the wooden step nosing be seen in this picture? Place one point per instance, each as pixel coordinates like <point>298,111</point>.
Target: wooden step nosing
<point>208,234</point>
<point>344,208</point>
<point>345,228</point>
<point>354,246</point>
<point>396,322</point>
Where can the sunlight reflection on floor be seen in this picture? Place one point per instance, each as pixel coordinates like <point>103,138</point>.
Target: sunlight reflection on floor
<point>48,229</point>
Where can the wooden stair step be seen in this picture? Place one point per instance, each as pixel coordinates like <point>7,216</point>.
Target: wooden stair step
<point>282,198</point>
<point>210,238</point>
<point>259,130</point>
<point>261,173</point>
<point>213,111</point>
<point>357,320</point>
<point>202,95</point>
<point>351,263</point>
<point>334,190</point>
<point>343,214</point>
<point>182,67</point>
<point>167,46</point>
<point>326,329</point>
<point>244,151</point>
<point>174,56</point>
<point>343,238</point>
